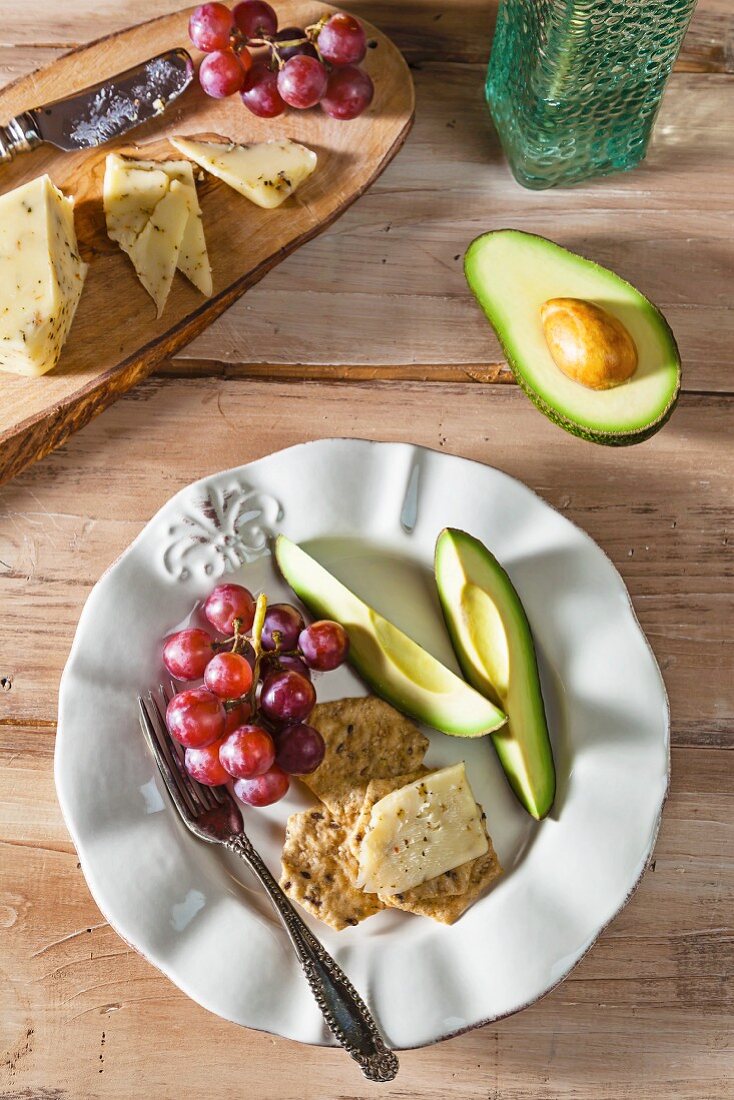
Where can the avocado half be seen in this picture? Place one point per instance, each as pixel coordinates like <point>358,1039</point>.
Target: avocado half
<point>492,639</point>
<point>512,274</point>
<point>392,663</point>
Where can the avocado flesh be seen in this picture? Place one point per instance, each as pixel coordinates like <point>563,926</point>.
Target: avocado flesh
<point>492,640</point>
<point>512,274</point>
<point>392,663</point>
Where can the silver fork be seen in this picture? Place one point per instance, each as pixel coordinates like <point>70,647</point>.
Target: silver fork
<point>212,814</point>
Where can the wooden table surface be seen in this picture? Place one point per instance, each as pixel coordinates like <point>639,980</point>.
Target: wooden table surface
<point>370,331</point>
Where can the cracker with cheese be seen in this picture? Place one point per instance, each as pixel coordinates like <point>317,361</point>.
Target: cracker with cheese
<point>390,833</point>
<point>319,871</point>
<point>448,884</point>
<point>365,739</point>
<point>447,910</point>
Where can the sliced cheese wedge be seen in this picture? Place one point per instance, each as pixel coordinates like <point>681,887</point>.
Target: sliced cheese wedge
<point>193,258</point>
<point>266,173</point>
<point>130,195</point>
<point>132,190</point>
<point>41,276</point>
<point>421,831</point>
<point>155,251</point>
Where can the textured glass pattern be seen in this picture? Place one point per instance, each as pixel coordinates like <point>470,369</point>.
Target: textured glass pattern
<point>574,85</point>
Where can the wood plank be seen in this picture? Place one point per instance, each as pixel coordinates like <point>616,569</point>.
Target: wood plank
<point>181,367</point>
<point>397,255</point>
<point>426,30</point>
<point>661,510</point>
<point>648,1012</point>
<point>81,1013</point>
<point>19,61</point>
<point>115,340</point>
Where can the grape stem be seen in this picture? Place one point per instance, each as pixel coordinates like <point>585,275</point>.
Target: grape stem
<point>256,642</point>
<point>311,33</point>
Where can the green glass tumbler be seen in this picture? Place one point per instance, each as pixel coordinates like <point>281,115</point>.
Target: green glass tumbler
<point>574,85</point>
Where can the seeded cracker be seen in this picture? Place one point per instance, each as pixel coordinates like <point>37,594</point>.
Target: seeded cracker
<point>449,884</point>
<point>319,871</point>
<point>365,739</point>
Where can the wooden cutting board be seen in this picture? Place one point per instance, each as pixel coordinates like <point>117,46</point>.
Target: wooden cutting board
<point>115,339</point>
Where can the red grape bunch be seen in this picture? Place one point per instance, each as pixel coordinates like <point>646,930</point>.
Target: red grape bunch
<point>248,720</point>
<point>294,67</point>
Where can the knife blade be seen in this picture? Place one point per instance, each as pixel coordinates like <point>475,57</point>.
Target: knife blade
<point>105,111</point>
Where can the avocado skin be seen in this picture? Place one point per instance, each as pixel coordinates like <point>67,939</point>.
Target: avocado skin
<point>541,801</point>
<point>591,435</point>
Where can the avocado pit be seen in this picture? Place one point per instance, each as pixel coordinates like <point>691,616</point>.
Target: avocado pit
<point>588,343</point>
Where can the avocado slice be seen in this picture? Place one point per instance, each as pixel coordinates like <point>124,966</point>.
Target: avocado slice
<point>392,663</point>
<point>512,274</point>
<point>491,636</point>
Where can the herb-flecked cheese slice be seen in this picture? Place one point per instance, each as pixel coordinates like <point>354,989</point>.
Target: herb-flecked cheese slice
<point>41,276</point>
<point>132,190</point>
<point>130,195</point>
<point>155,251</point>
<point>421,831</point>
<point>266,173</point>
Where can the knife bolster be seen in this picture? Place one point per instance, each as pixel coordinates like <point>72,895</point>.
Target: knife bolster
<point>20,135</point>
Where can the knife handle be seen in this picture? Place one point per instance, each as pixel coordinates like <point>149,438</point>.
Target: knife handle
<point>20,135</point>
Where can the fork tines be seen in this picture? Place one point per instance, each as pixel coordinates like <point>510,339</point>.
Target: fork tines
<point>190,798</point>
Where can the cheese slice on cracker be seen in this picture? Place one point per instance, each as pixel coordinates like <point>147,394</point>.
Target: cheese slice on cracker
<point>419,832</point>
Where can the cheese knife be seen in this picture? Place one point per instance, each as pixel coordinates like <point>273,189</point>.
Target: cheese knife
<point>105,111</point>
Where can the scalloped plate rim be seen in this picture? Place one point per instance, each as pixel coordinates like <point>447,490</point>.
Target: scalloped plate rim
<point>239,470</point>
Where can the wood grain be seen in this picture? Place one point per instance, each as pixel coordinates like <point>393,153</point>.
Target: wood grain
<point>662,517</point>
<point>425,30</point>
<point>397,255</point>
<point>648,1012</point>
<point>115,340</point>
<point>644,1015</point>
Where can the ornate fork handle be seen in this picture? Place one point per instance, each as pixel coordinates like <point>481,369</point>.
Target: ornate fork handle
<point>344,1011</point>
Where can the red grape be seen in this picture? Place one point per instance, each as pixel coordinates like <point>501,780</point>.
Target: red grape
<point>228,675</point>
<point>247,752</point>
<point>195,718</point>
<point>210,26</point>
<point>228,602</point>
<point>264,789</point>
<point>302,81</point>
<point>286,621</point>
<point>287,697</point>
<point>255,18</point>
<point>260,92</point>
<point>187,653</point>
<point>324,645</point>
<point>348,93</point>
<point>342,40</point>
<point>221,74</point>
<point>293,34</point>
<point>236,716</point>
<point>300,750</point>
<point>287,661</point>
<point>205,765</point>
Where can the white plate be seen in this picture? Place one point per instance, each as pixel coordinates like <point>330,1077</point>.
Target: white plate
<point>371,512</point>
